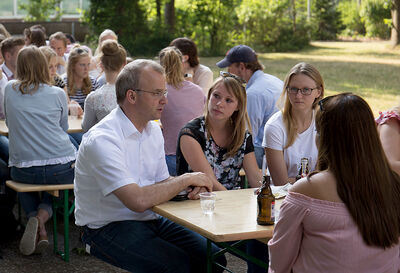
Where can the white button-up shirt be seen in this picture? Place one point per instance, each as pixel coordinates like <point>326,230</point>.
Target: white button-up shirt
<point>114,154</point>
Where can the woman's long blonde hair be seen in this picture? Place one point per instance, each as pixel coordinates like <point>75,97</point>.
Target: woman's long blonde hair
<point>171,60</point>
<point>287,115</point>
<point>32,70</point>
<point>49,53</point>
<point>239,119</point>
<point>74,56</point>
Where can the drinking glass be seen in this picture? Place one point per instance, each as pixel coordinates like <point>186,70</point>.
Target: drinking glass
<point>207,202</point>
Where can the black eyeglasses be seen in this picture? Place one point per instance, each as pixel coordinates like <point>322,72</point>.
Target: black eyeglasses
<point>82,50</point>
<point>321,103</point>
<point>158,94</point>
<point>225,74</point>
<point>304,91</point>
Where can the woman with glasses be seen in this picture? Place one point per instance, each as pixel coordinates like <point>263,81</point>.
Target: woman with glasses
<point>40,150</point>
<point>289,135</point>
<point>389,133</point>
<point>218,143</point>
<point>100,103</point>
<point>344,217</point>
<point>185,102</point>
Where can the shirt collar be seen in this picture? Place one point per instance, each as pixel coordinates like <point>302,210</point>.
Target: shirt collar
<point>7,72</point>
<point>254,77</point>
<point>128,128</point>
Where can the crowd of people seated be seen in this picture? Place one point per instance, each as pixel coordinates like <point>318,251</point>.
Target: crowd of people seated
<point>342,217</point>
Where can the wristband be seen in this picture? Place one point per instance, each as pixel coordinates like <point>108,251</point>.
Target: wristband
<point>188,75</point>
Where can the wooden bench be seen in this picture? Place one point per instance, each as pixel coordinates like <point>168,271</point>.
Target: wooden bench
<point>54,190</point>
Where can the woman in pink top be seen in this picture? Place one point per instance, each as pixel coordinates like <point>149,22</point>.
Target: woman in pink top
<point>186,101</point>
<point>389,132</point>
<point>345,217</point>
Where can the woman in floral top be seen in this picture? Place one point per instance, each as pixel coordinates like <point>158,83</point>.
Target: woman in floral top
<point>218,143</point>
<point>389,133</point>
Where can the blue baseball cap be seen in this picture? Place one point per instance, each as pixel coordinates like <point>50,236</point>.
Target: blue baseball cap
<point>238,54</point>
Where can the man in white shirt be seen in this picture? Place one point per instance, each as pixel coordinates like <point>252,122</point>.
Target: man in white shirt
<point>58,42</point>
<point>262,89</point>
<point>9,49</point>
<point>121,174</point>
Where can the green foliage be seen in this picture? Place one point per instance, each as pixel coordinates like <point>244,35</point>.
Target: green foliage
<point>326,20</point>
<point>351,19</point>
<point>207,22</point>
<point>41,10</point>
<point>268,25</point>
<point>375,15</point>
<point>129,20</point>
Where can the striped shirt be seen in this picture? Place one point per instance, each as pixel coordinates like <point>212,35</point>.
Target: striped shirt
<point>79,96</point>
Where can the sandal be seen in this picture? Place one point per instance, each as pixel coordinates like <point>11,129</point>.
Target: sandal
<point>28,242</point>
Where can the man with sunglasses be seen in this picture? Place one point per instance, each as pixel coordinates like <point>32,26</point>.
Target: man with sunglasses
<point>262,90</point>
<point>121,173</point>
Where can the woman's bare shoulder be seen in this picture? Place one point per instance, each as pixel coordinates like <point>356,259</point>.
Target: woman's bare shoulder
<point>321,185</point>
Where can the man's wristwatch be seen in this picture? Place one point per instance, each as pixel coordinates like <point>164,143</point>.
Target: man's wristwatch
<point>188,75</point>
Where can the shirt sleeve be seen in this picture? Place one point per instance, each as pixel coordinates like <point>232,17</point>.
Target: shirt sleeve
<point>255,112</point>
<point>274,137</point>
<point>285,244</point>
<point>205,81</point>
<point>249,144</point>
<point>3,83</point>
<point>107,163</point>
<point>64,110</point>
<point>89,116</point>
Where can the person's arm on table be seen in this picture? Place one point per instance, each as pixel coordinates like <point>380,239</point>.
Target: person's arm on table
<point>277,167</point>
<point>89,117</point>
<point>196,159</point>
<point>140,199</point>
<point>389,133</point>
<point>252,171</point>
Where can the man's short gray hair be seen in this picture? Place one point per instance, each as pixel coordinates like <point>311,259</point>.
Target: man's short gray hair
<point>129,77</point>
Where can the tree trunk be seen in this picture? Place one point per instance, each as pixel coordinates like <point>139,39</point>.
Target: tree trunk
<point>395,36</point>
<point>170,14</point>
<point>158,8</point>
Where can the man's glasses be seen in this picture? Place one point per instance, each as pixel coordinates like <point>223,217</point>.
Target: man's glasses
<point>225,74</point>
<point>304,91</point>
<point>158,94</point>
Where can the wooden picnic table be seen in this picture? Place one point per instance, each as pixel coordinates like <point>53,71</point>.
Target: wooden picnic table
<point>234,218</point>
<point>74,126</point>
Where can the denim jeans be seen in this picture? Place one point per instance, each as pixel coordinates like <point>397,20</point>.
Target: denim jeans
<point>258,250</point>
<point>150,246</point>
<point>171,164</point>
<point>4,148</point>
<point>77,137</point>
<point>50,174</point>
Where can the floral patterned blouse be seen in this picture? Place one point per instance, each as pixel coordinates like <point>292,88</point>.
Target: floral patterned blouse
<point>385,116</point>
<point>225,169</point>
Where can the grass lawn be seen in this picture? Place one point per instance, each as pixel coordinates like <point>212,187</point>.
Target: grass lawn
<point>369,69</point>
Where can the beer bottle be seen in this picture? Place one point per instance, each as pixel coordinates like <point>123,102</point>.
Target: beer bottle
<point>304,168</point>
<point>266,203</point>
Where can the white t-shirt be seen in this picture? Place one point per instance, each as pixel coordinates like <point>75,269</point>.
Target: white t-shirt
<point>114,154</point>
<point>203,77</point>
<point>275,137</point>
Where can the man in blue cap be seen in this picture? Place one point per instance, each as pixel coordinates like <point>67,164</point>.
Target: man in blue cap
<point>262,90</point>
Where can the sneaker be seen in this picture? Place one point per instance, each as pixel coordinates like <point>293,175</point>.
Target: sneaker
<point>28,242</point>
